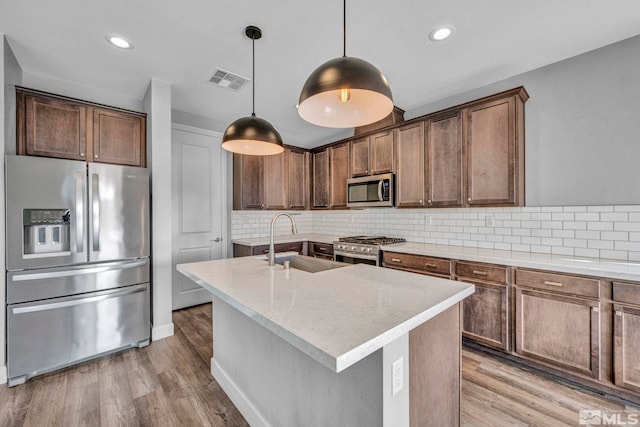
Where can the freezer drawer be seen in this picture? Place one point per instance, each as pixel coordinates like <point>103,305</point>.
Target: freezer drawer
<point>50,334</point>
<point>32,285</point>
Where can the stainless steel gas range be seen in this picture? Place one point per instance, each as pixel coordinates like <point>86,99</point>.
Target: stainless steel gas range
<point>362,249</point>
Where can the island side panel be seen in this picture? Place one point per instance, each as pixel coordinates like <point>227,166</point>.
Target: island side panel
<point>285,386</point>
<point>435,371</point>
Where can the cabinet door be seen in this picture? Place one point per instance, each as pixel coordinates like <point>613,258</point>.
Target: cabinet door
<point>559,330</point>
<point>360,157</point>
<point>626,347</point>
<point>485,315</point>
<point>275,182</point>
<point>53,128</point>
<point>298,178</point>
<point>339,163</point>
<point>444,161</point>
<point>321,179</point>
<point>251,182</point>
<point>410,173</point>
<point>381,153</point>
<point>491,153</point>
<point>118,138</point>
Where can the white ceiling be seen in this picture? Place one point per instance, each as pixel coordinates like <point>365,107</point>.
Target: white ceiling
<point>183,42</point>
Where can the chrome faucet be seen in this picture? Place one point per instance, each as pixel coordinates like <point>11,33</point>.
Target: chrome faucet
<point>272,253</point>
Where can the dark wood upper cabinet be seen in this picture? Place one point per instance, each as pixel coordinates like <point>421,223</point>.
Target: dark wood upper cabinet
<point>339,173</point>
<point>495,152</point>
<point>410,183</point>
<point>298,170</point>
<point>320,171</point>
<point>248,182</point>
<point>444,161</point>
<point>117,136</point>
<point>54,126</point>
<point>276,188</point>
<point>372,155</point>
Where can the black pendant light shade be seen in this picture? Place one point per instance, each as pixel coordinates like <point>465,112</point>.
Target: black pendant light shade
<point>345,92</point>
<point>252,135</point>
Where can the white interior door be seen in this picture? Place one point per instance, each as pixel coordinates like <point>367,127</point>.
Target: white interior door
<point>199,223</point>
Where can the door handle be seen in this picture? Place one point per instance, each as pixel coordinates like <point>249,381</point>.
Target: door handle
<point>95,211</point>
<point>217,239</point>
<point>79,220</point>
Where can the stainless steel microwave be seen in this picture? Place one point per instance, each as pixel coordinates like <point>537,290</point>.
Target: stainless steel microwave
<point>371,191</point>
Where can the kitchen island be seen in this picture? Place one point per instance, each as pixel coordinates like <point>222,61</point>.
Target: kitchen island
<point>357,345</point>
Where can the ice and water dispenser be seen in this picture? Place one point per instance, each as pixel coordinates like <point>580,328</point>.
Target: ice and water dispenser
<point>46,232</point>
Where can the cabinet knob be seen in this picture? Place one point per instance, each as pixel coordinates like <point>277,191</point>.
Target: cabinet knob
<point>595,309</point>
<point>421,202</point>
<point>262,205</point>
<point>81,154</point>
<point>429,201</point>
<point>618,313</point>
<point>366,171</point>
<point>95,156</point>
<point>469,199</point>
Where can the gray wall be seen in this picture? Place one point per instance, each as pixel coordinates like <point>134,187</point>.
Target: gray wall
<point>10,75</point>
<point>582,127</point>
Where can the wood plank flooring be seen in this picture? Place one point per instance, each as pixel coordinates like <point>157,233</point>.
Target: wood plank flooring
<point>168,384</point>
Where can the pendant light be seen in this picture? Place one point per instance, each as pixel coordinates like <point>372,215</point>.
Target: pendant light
<point>252,135</point>
<point>345,92</point>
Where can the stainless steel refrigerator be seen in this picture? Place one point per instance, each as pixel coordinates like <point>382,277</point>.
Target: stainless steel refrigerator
<point>77,257</point>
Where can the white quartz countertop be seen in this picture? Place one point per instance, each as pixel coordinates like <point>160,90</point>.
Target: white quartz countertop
<point>623,270</point>
<point>308,237</point>
<point>338,317</point>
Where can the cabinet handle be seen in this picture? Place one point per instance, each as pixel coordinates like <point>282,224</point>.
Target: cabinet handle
<point>266,251</point>
<point>322,249</point>
<point>429,265</point>
<point>479,273</point>
<point>396,260</point>
<point>547,282</point>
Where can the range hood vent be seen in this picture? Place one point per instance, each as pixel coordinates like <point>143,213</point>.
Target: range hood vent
<point>228,80</point>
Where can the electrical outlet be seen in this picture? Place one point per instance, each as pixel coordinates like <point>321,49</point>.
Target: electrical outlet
<point>398,376</point>
<point>488,221</point>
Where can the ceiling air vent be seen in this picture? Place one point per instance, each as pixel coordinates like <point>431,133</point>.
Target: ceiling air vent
<point>228,80</point>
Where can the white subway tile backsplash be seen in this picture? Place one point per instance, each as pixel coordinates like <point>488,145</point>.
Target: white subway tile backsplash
<point>591,231</point>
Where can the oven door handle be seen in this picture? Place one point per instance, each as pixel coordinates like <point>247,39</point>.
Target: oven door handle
<point>352,255</point>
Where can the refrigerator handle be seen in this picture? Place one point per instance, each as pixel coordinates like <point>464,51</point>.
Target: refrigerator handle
<point>78,301</point>
<point>95,212</point>
<point>79,220</point>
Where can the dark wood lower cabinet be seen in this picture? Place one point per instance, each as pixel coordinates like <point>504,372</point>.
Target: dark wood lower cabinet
<point>626,347</point>
<point>243,250</point>
<point>485,315</point>
<point>560,330</point>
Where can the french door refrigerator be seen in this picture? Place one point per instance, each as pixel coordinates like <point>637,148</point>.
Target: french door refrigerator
<point>77,257</point>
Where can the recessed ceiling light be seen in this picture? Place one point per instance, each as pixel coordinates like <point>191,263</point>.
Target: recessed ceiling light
<point>119,42</point>
<point>441,33</point>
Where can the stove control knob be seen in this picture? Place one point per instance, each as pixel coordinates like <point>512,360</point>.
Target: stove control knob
<point>353,248</point>
<point>368,249</point>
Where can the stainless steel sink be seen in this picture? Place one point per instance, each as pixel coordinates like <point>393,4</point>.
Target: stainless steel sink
<point>309,264</point>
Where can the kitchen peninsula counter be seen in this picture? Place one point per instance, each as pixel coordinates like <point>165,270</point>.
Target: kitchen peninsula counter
<point>325,339</point>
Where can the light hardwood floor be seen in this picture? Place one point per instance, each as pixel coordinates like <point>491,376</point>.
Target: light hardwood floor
<point>168,384</point>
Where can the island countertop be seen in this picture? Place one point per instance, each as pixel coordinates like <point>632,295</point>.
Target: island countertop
<point>337,317</point>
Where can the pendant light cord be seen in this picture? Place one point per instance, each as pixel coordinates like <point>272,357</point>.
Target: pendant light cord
<point>344,28</point>
<point>253,76</point>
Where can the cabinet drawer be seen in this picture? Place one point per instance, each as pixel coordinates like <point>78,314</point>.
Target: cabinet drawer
<point>564,283</point>
<point>626,292</point>
<point>321,250</point>
<point>486,272</point>
<point>417,263</point>
<point>279,247</point>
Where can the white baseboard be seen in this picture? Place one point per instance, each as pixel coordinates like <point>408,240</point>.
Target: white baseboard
<point>252,414</point>
<point>3,374</point>
<point>162,331</point>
